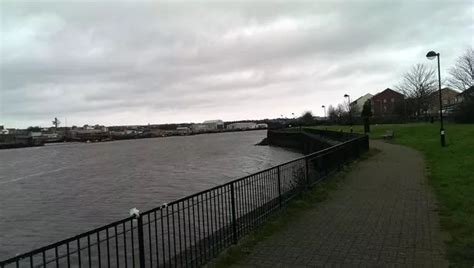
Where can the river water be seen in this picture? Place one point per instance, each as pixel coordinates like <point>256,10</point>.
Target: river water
<point>52,192</point>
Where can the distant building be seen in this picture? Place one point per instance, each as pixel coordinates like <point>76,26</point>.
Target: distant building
<point>262,126</point>
<point>242,125</point>
<point>387,103</point>
<point>214,124</point>
<point>449,98</point>
<point>183,130</point>
<point>358,104</point>
<point>199,128</point>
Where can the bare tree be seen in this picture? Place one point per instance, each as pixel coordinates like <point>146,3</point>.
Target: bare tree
<point>418,84</point>
<point>462,74</point>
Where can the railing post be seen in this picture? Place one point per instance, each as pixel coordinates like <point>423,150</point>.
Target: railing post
<point>279,187</point>
<point>234,217</point>
<point>141,245</point>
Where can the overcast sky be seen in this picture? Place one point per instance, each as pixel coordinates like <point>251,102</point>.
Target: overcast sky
<point>137,62</point>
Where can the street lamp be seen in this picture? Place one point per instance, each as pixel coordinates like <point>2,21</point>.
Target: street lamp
<point>350,110</point>
<point>324,107</point>
<point>431,56</point>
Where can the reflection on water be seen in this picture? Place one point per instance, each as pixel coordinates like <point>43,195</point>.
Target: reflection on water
<point>52,192</point>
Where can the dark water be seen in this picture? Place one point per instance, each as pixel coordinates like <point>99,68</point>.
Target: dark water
<point>53,192</point>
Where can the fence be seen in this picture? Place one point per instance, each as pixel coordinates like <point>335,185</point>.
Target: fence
<point>192,230</point>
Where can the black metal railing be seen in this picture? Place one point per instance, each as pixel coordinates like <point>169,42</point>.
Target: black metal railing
<point>194,229</point>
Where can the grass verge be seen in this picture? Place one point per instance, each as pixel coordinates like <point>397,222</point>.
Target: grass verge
<point>291,213</point>
<point>450,173</point>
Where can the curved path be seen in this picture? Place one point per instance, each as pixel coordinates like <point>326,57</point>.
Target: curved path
<point>383,214</point>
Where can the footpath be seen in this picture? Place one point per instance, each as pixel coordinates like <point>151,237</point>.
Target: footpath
<point>383,214</point>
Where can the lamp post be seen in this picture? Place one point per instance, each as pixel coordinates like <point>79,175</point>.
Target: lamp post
<point>431,56</point>
<point>350,110</point>
<point>324,107</point>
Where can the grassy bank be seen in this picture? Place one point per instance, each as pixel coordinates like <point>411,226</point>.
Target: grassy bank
<point>451,174</point>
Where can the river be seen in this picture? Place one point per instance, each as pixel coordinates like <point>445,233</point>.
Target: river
<point>52,192</point>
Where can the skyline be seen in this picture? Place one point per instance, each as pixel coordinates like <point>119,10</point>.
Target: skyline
<point>129,63</point>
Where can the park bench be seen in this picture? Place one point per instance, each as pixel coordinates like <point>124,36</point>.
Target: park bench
<point>388,134</point>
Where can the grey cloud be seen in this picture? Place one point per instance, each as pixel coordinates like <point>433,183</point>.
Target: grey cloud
<point>171,61</point>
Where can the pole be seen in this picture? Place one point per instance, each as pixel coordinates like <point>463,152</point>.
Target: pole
<point>441,131</point>
<point>350,111</point>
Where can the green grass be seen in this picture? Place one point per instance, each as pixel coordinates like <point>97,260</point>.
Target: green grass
<point>295,209</point>
<point>451,174</point>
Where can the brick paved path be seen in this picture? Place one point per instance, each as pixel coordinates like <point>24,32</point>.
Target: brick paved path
<point>382,215</point>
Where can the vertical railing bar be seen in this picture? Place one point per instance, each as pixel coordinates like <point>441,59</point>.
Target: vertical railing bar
<point>156,239</point>
<point>141,242</point>
<point>209,236</point>
<point>168,234</point>
<point>163,237</point>
<point>212,222</point>
<point>44,258</point>
<point>108,247</point>
<point>98,249</point>
<point>184,252</point>
<point>194,230</point>
<point>89,250</point>
<point>149,240</point>
<point>234,221</point>
<point>124,230</point>
<point>189,234</point>
<point>56,256</point>
<point>201,238</point>
<point>68,253</point>
<point>78,253</point>
<point>216,227</point>
<point>132,243</point>
<point>116,246</point>
<point>179,235</point>
<point>174,236</point>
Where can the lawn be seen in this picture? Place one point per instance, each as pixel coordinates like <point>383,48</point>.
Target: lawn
<point>451,174</point>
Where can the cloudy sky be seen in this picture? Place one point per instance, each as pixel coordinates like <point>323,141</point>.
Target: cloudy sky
<point>138,62</point>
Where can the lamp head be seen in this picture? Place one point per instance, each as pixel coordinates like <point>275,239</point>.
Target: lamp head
<point>346,96</point>
<point>432,55</point>
<point>323,106</point>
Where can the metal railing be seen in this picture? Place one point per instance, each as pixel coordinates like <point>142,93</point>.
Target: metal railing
<point>194,229</point>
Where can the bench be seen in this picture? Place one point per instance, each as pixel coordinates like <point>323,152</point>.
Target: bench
<point>388,134</point>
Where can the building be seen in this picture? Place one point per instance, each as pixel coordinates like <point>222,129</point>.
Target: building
<point>262,126</point>
<point>358,104</point>
<point>242,125</point>
<point>214,124</point>
<point>199,128</point>
<point>449,97</point>
<point>183,130</point>
<point>388,103</point>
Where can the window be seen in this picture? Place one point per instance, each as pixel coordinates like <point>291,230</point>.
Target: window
<point>384,100</point>
<point>393,100</point>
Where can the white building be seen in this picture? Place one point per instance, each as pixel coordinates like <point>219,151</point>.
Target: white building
<point>242,125</point>
<point>358,104</point>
